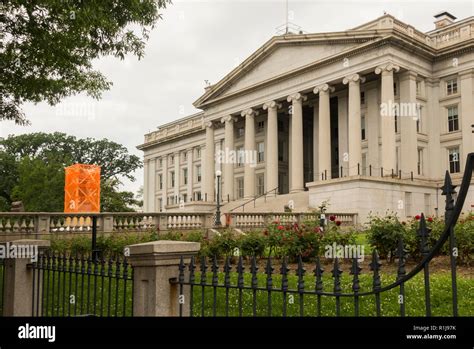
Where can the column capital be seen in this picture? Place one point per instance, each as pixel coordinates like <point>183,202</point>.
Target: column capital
<point>353,78</point>
<point>227,118</point>
<point>296,97</point>
<point>249,112</point>
<point>387,68</point>
<point>208,124</point>
<point>271,105</point>
<point>323,88</point>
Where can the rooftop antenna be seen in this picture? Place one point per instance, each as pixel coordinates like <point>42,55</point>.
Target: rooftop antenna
<point>287,27</point>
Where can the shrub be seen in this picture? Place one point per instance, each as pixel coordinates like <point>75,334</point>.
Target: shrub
<point>384,233</point>
<point>464,232</point>
<point>252,244</point>
<point>221,245</point>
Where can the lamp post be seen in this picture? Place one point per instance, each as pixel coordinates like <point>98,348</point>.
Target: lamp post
<point>218,210</point>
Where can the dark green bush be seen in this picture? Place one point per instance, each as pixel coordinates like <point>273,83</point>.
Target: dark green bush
<point>252,244</point>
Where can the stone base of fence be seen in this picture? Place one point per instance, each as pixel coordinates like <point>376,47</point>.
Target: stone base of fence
<point>154,265</point>
<point>18,282</point>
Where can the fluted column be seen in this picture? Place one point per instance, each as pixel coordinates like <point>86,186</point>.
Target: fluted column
<point>209,163</point>
<point>387,116</point>
<point>271,158</point>
<point>297,169</point>
<point>354,127</point>
<point>324,128</point>
<point>408,135</point>
<point>467,112</point>
<point>249,146</point>
<point>228,166</point>
<point>190,166</point>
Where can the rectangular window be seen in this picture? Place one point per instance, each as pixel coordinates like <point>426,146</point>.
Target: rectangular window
<point>419,119</point>
<point>240,187</point>
<point>198,173</point>
<point>418,88</point>
<point>197,196</point>
<point>260,184</point>
<point>185,176</point>
<point>172,179</point>
<point>160,181</point>
<point>261,152</point>
<point>240,132</point>
<point>280,150</point>
<point>160,205</point>
<point>185,197</point>
<point>451,87</point>
<point>362,124</point>
<point>362,98</point>
<point>420,161</point>
<point>260,126</point>
<point>198,153</point>
<point>453,119</point>
<point>160,163</point>
<point>396,123</point>
<point>454,165</point>
<point>172,159</point>
<point>240,156</point>
<point>395,89</point>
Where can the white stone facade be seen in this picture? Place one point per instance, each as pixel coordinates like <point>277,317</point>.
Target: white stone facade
<point>369,119</point>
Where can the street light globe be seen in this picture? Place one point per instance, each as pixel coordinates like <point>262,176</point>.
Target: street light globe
<point>218,173</point>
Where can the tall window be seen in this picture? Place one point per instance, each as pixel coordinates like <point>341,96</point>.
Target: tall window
<point>454,165</point>
<point>172,179</point>
<point>160,204</point>
<point>453,119</point>
<point>261,152</point>
<point>185,197</point>
<point>395,88</point>
<point>451,87</point>
<point>160,163</point>
<point>197,196</point>
<point>198,152</point>
<point>362,98</point>
<point>240,187</point>
<point>419,119</point>
<point>362,124</point>
<point>172,159</point>
<point>240,156</point>
<point>260,184</point>
<point>280,150</point>
<point>420,161</point>
<point>185,176</point>
<point>198,173</point>
<point>260,126</point>
<point>160,181</point>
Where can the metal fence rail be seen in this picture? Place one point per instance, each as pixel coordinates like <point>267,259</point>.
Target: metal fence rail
<point>251,283</point>
<point>2,284</point>
<point>66,285</point>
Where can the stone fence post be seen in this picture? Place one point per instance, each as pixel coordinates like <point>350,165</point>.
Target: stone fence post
<point>154,265</point>
<point>18,281</point>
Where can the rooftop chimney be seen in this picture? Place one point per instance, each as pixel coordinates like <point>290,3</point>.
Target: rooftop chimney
<point>443,19</point>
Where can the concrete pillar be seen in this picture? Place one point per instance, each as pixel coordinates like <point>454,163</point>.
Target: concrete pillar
<point>190,167</point>
<point>146,189</point>
<point>315,141</point>
<point>343,134</point>
<point>209,164</point>
<point>250,151</point>
<point>372,127</point>
<point>354,123</point>
<point>165,181</point>
<point>436,168</point>
<point>467,113</point>
<point>271,158</point>
<point>324,139</point>
<point>387,116</point>
<point>297,169</point>
<point>408,116</point>
<point>177,176</point>
<point>18,279</point>
<point>228,166</point>
<point>154,265</point>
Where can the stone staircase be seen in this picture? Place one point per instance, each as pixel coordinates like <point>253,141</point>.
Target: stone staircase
<point>270,203</point>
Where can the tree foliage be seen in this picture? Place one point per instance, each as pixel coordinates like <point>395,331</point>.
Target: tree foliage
<point>32,170</point>
<point>48,46</point>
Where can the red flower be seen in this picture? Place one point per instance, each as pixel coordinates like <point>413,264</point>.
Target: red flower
<point>295,226</point>
<point>430,219</point>
<point>317,229</point>
<point>332,218</point>
<point>404,223</point>
<point>338,223</point>
<point>265,232</point>
<point>417,217</point>
<point>281,227</point>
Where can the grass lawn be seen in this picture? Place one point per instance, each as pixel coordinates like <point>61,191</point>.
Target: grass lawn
<point>441,301</point>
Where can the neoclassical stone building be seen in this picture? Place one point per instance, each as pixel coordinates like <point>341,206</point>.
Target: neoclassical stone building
<point>368,119</point>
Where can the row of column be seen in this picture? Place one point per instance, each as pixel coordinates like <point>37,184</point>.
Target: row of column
<point>322,133</point>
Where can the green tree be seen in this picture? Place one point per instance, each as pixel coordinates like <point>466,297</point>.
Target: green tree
<point>48,46</point>
<point>40,185</point>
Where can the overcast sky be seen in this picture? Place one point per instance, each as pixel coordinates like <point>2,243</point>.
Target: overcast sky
<point>198,41</point>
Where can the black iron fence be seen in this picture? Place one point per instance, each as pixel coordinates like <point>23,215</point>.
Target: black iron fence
<point>66,285</point>
<point>224,291</point>
<point>2,284</point>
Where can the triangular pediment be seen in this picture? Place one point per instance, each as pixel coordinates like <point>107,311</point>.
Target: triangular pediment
<point>282,55</point>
